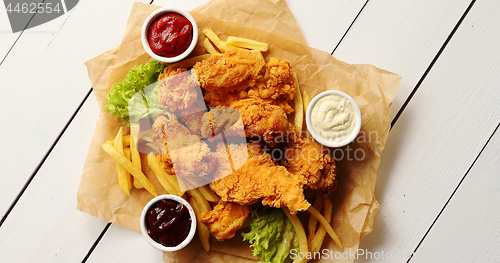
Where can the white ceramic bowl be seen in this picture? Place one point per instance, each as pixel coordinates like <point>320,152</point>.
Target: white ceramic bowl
<point>316,136</point>
<point>152,17</point>
<point>157,245</point>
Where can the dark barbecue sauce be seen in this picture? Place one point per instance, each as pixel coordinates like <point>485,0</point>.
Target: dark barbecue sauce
<point>168,222</point>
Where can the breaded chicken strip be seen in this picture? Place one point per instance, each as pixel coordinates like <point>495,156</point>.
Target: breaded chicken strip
<point>258,179</point>
<point>182,153</point>
<point>235,70</point>
<point>178,89</point>
<point>222,119</point>
<point>312,161</point>
<point>281,84</point>
<point>225,219</point>
<point>262,118</point>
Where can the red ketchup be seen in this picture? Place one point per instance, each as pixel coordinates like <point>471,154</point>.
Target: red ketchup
<point>168,222</point>
<point>170,35</point>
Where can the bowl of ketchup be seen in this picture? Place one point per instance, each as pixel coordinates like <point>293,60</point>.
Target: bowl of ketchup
<point>168,222</point>
<point>169,34</point>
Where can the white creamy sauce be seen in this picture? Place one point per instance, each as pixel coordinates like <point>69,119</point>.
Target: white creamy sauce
<point>334,118</point>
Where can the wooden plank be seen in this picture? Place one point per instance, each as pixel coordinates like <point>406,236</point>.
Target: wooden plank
<point>45,80</point>
<point>323,23</point>
<point>121,244</point>
<point>44,226</point>
<point>439,135</point>
<point>468,229</point>
<point>401,37</point>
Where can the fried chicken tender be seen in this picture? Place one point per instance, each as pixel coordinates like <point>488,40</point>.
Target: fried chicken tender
<point>312,161</point>
<point>281,84</point>
<point>261,118</point>
<point>225,219</point>
<point>178,89</point>
<point>235,70</point>
<point>222,119</point>
<point>182,153</point>
<point>258,179</point>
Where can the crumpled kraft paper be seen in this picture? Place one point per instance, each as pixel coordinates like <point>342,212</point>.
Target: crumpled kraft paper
<point>269,21</point>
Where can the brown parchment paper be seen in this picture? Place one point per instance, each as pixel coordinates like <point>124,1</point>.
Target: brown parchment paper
<point>272,22</point>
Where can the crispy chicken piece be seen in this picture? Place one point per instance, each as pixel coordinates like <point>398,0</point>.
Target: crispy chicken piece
<point>262,119</point>
<point>182,153</point>
<point>312,161</point>
<point>178,89</point>
<point>258,179</point>
<point>234,71</point>
<point>222,119</point>
<point>225,219</point>
<point>281,84</point>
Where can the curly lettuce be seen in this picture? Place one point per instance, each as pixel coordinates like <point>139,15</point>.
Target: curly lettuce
<point>135,96</point>
<point>271,235</point>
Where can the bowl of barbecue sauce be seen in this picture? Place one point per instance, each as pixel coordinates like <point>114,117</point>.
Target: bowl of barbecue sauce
<point>169,34</point>
<point>168,222</point>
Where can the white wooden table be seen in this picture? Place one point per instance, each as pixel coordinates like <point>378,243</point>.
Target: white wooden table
<point>438,183</point>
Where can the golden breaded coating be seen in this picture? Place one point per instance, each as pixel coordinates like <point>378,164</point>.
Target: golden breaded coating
<point>312,161</point>
<point>225,219</point>
<point>222,119</point>
<point>235,70</point>
<point>281,84</point>
<point>182,153</point>
<point>259,179</point>
<point>261,118</point>
<point>178,89</point>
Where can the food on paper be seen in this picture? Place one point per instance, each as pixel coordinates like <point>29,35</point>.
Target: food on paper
<point>262,118</point>
<point>225,219</point>
<point>247,43</point>
<point>326,225</point>
<point>317,238</point>
<point>235,71</point>
<point>168,222</point>
<point>313,162</point>
<point>299,231</point>
<point>119,97</point>
<point>271,234</point>
<point>170,35</point>
<point>245,93</point>
<point>202,229</point>
<point>130,167</point>
<point>334,118</point>
<point>123,176</point>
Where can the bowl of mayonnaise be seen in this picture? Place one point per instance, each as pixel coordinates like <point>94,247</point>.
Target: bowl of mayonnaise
<point>333,118</point>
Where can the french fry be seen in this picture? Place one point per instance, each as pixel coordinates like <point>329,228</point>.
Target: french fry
<point>313,222</point>
<point>202,228</point>
<point>161,174</point>
<point>257,54</point>
<point>247,43</point>
<point>317,241</point>
<point>208,194</point>
<point>125,140</point>
<point>210,34</point>
<point>306,99</point>
<point>201,200</point>
<point>299,231</point>
<point>210,47</point>
<point>136,158</point>
<point>130,167</point>
<point>298,108</point>
<point>126,152</point>
<point>124,179</point>
<point>326,225</point>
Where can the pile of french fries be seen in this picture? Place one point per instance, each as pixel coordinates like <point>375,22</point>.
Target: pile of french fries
<point>123,149</point>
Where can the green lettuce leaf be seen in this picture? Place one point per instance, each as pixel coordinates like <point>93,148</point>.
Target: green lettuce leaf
<point>271,235</point>
<point>130,97</point>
